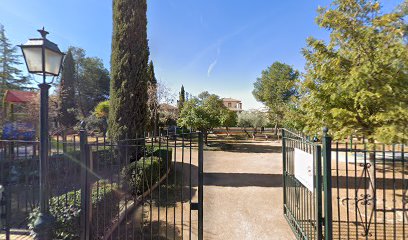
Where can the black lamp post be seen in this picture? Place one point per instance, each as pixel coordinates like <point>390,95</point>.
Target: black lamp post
<point>43,57</point>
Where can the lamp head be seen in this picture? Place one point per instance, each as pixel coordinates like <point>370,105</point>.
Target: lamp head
<point>42,56</point>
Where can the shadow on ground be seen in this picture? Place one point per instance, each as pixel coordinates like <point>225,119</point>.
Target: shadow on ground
<point>180,186</point>
<point>242,180</point>
<point>157,230</point>
<point>253,148</point>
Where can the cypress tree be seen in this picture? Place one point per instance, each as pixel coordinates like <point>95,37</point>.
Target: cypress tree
<point>152,101</point>
<point>150,71</point>
<point>66,110</point>
<point>182,99</point>
<point>129,61</point>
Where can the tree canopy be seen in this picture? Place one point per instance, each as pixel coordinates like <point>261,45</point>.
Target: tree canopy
<point>92,81</point>
<point>253,119</point>
<point>276,88</point>
<point>357,83</point>
<point>202,114</point>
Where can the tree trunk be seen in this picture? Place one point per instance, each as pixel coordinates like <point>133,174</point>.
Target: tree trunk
<point>205,137</point>
<point>247,133</point>
<point>276,128</point>
<point>64,141</point>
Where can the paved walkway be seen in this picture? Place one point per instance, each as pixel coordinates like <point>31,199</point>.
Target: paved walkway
<point>243,193</point>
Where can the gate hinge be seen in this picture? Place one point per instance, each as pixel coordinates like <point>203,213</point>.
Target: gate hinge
<point>194,206</point>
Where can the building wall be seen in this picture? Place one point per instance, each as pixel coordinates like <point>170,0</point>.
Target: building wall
<point>233,105</point>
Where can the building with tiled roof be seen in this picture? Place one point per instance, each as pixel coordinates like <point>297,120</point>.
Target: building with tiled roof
<point>15,96</point>
<point>233,104</point>
<point>13,99</point>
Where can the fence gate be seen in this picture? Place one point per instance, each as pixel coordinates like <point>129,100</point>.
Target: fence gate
<point>148,188</point>
<point>302,185</point>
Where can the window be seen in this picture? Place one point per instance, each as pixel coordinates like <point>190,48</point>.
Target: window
<point>229,104</point>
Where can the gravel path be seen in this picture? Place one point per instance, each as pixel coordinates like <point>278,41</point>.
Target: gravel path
<point>243,193</point>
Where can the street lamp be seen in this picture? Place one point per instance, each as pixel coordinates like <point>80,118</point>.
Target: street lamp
<point>43,57</point>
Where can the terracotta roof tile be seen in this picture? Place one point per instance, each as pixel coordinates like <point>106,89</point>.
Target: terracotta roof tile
<point>16,96</point>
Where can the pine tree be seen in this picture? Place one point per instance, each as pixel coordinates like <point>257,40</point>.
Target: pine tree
<point>66,110</point>
<point>129,61</point>
<point>10,75</point>
<point>182,99</point>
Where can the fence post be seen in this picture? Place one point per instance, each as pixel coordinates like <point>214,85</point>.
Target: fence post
<point>86,194</point>
<point>318,194</point>
<point>4,212</point>
<point>200,185</point>
<point>284,169</point>
<point>327,185</point>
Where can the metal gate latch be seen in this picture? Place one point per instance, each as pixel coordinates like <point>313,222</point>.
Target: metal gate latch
<point>194,206</point>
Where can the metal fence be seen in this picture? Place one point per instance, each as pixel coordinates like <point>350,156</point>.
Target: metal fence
<point>359,189</point>
<point>369,191</point>
<point>19,178</point>
<point>146,188</point>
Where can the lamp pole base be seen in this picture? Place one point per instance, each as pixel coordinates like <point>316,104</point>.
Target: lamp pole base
<point>44,227</point>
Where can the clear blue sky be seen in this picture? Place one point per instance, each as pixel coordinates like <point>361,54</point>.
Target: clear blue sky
<point>216,45</point>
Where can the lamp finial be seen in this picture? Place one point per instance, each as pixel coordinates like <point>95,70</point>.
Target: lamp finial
<point>43,32</point>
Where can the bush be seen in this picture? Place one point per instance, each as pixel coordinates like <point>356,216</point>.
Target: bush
<point>162,153</point>
<point>142,174</point>
<point>66,209</point>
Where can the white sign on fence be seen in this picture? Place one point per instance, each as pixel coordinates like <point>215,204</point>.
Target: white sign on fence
<point>304,168</point>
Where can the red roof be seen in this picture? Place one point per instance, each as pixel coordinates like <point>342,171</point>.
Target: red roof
<point>16,96</point>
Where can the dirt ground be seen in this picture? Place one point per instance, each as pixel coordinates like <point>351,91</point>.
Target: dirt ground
<point>243,193</point>
<point>242,197</point>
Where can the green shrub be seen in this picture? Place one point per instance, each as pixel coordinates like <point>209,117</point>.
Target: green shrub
<point>66,209</point>
<point>142,174</point>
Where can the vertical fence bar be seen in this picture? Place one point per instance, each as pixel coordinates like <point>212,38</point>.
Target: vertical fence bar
<point>327,185</point>
<point>404,192</point>
<point>318,193</point>
<point>86,195</point>
<point>284,169</point>
<point>338,191</point>
<point>175,182</point>
<point>190,184</point>
<point>200,185</point>
<point>7,199</point>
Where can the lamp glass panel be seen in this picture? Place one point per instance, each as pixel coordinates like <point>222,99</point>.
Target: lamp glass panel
<point>52,62</point>
<point>33,58</point>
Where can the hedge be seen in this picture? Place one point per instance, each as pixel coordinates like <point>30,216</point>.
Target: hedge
<point>66,209</point>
